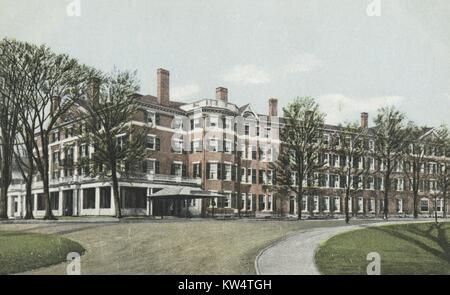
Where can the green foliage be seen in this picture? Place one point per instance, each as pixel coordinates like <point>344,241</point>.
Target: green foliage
<point>21,252</point>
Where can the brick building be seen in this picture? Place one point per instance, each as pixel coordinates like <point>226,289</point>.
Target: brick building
<point>194,144</point>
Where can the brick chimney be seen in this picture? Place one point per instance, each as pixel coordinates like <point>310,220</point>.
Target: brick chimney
<point>163,89</point>
<point>222,94</point>
<point>364,120</point>
<point>273,107</point>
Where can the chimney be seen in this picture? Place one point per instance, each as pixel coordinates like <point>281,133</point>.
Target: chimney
<point>94,89</point>
<point>163,86</point>
<point>273,107</point>
<point>364,120</point>
<point>222,94</point>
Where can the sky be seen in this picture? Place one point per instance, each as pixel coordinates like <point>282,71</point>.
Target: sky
<point>353,56</point>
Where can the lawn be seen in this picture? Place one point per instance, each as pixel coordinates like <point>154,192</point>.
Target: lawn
<point>419,248</point>
<point>20,251</point>
<point>171,247</point>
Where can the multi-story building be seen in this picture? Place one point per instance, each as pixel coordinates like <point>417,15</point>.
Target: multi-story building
<point>194,144</point>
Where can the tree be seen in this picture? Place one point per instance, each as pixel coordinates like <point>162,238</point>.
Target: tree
<point>414,158</point>
<point>301,139</point>
<point>25,163</point>
<point>390,139</point>
<point>120,147</point>
<point>55,83</point>
<point>351,146</point>
<point>12,86</point>
<point>443,169</point>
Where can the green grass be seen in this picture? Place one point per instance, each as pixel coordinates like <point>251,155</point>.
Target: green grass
<point>171,247</point>
<point>21,251</point>
<point>418,248</point>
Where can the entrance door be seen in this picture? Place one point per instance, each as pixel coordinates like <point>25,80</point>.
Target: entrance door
<point>68,203</point>
<point>291,206</point>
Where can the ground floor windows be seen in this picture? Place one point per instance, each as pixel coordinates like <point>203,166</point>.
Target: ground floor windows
<point>360,205</point>
<point>40,202</point>
<point>371,205</point>
<point>261,202</point>
<point>89,198</point>
<point>54,200</point>
<point>337,204</point>
<point>133,197</point>
<point>424,205</point>
<point>105,197</point>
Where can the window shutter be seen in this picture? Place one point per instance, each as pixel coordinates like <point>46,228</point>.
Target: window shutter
<point>219,171</point>
<point>183,170</point>
<point>157,119</point>
<point>233,173</point>
<point>157,144</point>
<point>233,200</point>
<point>208,166</point>
<point>144,166</point>
<point>172,169</point>
<point>254,176</point>
<point>156,167</point>
<point>261,178</point>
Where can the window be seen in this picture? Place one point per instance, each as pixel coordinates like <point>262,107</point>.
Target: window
<point>305,204</point>
<point>89,198</point>
<point>197,145</point>
<point>227,172</point>
<point>360,205</point>
<point>150,117</point>
<point>150,167</point>
<point>40,202</point>
<point>150,142</point>
<point>246,129</point>
<point>177,169</point>
<point>105,197</point>
<point>424,205</point>
<point>197,170</point>
<point>135,198</point>
<point>213,171</point>
<point>243,175</point>
<point>316,204</point>
<point>177,145</point>
<point>269,202</point>
<point>54,200</point>
<point>213,121</point>
<point>261,202</point>
<point>213,145</point>
<point>337,204</point>
<point>228,146</point>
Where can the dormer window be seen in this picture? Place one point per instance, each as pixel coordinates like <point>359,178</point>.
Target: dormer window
<point>150,117</point>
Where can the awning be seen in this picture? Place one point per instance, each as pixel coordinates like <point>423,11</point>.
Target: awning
<point>184,192</point>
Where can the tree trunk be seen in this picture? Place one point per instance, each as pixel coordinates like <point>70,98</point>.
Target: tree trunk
<point>116,191</point>
<point>29,198</point>
<point>3,203</point>
<point>444,213</point>
<point>415,199</point>
<point>45,178</point>
<point>5,181</point>
<point>387,184</point>
<point>347,214</point>
<point>435,211</point>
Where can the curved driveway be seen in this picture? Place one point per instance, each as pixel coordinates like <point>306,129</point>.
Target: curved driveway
<point>295,254</point>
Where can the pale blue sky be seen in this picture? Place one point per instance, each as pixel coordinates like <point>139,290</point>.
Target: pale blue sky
<point>328,49</point>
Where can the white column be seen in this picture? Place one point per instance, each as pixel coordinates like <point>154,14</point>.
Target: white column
<point>97,200</point>
<point>81,201</point>
<point>34,204</point>
<point>113,204</point>
<point>266,203</point>
<point>245,201</point>
<point>61,202</point>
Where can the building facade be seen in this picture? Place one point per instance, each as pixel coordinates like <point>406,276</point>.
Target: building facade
<point>194,144</point>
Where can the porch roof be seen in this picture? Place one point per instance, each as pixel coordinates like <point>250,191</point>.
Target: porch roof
<point>185,192</point>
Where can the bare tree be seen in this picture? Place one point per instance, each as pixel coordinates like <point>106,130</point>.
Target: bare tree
<point>301,143</point>
<point>120,147</point>
<point>443,169</point>
<point>57,83</point>
<point>354,169</point>
<point>390,139</point>
<point>12,86</point>
<point>414,158</point>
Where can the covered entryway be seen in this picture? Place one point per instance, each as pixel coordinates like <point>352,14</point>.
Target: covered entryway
<point>176,201</point>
